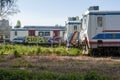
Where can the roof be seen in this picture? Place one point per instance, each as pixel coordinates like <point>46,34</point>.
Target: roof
<point>73,22</point>
<point>39,28</point>
<point>97,12</point>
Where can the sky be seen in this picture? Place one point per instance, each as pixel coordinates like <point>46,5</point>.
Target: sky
<point>52,12</point>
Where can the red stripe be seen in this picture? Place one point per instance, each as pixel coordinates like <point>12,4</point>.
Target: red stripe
<point>111,31</point>
<point>94,42</point>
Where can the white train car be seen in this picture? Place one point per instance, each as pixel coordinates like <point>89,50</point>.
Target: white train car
<point>73,27</point>
<point>48,32</point>
<point>102,28</point>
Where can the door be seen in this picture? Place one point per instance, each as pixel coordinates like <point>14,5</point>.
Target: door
<point>31,32</point>
<point>56,35</point>
<point>100,23</point>
<point>1,37</point>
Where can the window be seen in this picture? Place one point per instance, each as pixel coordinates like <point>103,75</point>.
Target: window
<point>75,28</point>
<point>6,36</point>
<point>41,34</point>
<point>63,33</point>
<point>84,22</point>
<point>74,18</point>
<point>1,36</point>
<point>81,26</point>
<point>47,33</point>
<point>31,32</point>
<point>99,21</point>
<point>15,33</point>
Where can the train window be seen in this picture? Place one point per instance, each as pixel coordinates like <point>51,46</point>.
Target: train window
<point>1,36</point>
<point>63,33</point>
<point>41,34</point>
<point>47,33</point>
<point>75,28</point>
<point>31,32</point>
<point>84,22</point>
<point>15,33</point>
<point>6,36</point>
<point>99,21</point>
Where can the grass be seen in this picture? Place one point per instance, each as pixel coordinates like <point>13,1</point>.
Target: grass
<point>39,64</point>
<point>21,62</point>
<point>18,50</point>
<point>6,74</point>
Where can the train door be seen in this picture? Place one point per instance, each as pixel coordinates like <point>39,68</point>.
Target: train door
<point>1,37</point>
<point>56,35</point>
<point>100,23</point>
<point>31,33</point>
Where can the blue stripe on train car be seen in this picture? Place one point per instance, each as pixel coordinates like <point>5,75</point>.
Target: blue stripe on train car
<point>70,23</point>
<point>107,36</point>
<point>104,13</point>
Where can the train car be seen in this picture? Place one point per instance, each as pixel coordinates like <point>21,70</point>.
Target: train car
<point>72,34</point>
<point>34,34</point>
<point>101,29</point>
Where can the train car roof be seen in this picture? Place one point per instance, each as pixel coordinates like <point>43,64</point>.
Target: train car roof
<point>73,22</point>
<point>39,28</point>
<point>97,12</point>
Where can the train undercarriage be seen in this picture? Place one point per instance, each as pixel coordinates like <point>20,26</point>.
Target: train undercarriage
<point>106,51</point>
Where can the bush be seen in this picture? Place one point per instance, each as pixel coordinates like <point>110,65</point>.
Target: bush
<point>17,50</point>
<point>16,54</point>
<point>38,51</point>
<point>72,76</point>
<point>94,76</point>
<point>74,51</point>
<point>47,76</point>
<point>60,51</point>
<point>47,50</point>
<point>14,75</point>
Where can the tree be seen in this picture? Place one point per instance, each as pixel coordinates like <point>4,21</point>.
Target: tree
<point>8,7</point>
<point>18,25</point>
<point>57,25</point>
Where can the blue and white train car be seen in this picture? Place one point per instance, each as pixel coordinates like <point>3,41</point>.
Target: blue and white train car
<point>101,28</point>
<point>72,34</point>
<point>50,33</point>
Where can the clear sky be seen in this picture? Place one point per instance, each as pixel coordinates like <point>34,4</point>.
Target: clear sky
<point>51,12</point>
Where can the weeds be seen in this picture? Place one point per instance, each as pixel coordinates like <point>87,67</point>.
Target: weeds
<point>75,52</point>
<point>22,63</point>
<point>95,76</point>
<point>27,75</point>
<point>16,54</point>
<point>18,50</point>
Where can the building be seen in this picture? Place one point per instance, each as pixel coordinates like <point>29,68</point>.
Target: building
<point>4,30</point>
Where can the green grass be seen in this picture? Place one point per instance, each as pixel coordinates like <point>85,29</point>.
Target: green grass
<point>6,74</point>
<point>18,50</point>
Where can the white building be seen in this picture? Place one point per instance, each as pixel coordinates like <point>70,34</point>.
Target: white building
<point>4,30</point>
